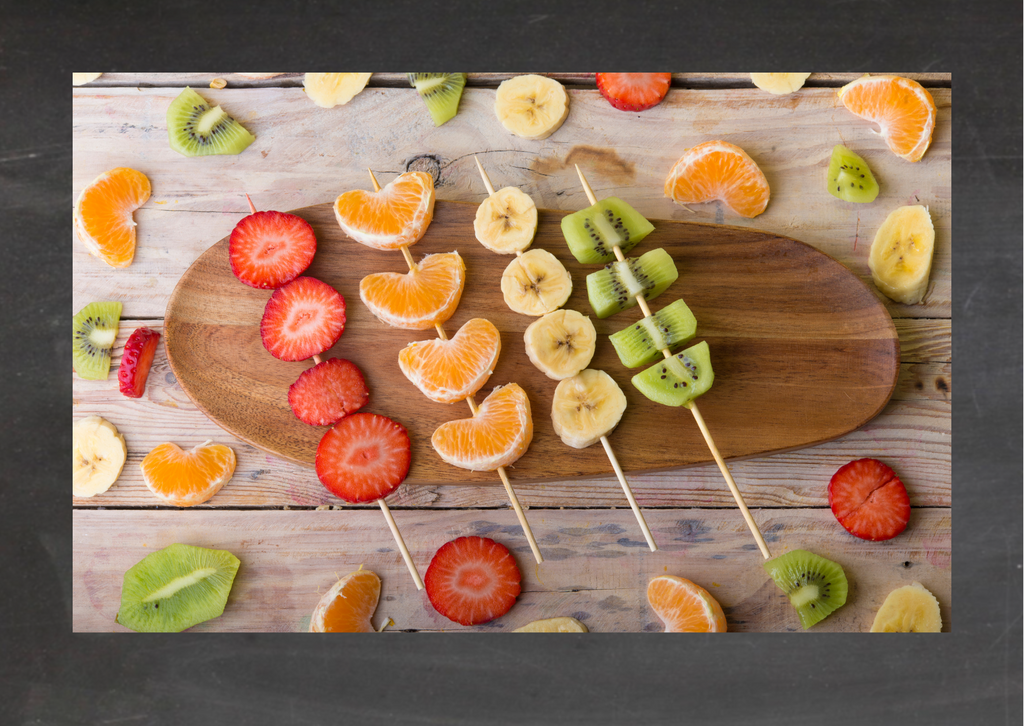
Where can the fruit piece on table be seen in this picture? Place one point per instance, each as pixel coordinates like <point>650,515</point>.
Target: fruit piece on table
<point>643,341</point>
<point>561,344</point>
<point>176,588</point>
<point>586,407</point>
<point>535,283</point>
<point>348,606</point>
<point>136,361</point>
<point>909,609</point>
<point>869,500</point>
<point>592,233</point>
<point>506,221</point>
<point>420,298</point>
<point>451,370</point>
<point>684,606</point>
<point>779,84</point>
<point>364,457</point>
<point>901,254</point>
<point>441,92</point>
<point>328,90</point>
<point>719,170</point>
<point>615,287</point>
<point>103,214</point>
<point>531,106</point>
<point>633,91</point>
<point>328,392</point>
<point>902,108</point>
<point>195,128</point>
<point>680,379</point>
<point>472,580</point>
<point>850,178</point>
<point>816,587</point>
<point>270,249</point>
<point>302,319</point>
<point>187,478</point>
<point>396,216</point>
<point>499,433</point>
<point>79,79</point>
<point>554,625</point>
<point>95,330</point>
<point>99,456</point>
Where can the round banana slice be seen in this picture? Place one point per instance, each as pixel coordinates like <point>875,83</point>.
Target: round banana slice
<point>561,344</point>
<point>531,106</point>
<point>909,609</point>
<point>506,221</point>
<point>586,407</point>
<point>901,254</point>
<point>780,84</point>
<point>535,283</point>
<point>99,454</point>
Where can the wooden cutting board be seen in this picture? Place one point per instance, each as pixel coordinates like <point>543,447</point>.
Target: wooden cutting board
<point>803,351</point>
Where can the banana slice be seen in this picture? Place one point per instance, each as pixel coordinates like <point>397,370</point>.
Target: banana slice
<point>586,407</point>
<point>901,255</point>
<point>779,84</point>
<point>328,90</point>
<point>531,106</point>
<point>554,625</point>
<point>561,343</point>
<point>535,283</point>
<point>910,609</point>
<point>506,221</point>
<point>80,79</point>
<point>100,453</point>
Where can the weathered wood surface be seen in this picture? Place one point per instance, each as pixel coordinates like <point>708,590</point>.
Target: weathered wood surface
<point>596,565</point>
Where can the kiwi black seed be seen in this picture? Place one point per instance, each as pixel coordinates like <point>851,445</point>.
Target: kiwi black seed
<point>614,288</point>
<point>594,232</point>
<point>816,586</point>
<point>849,177</point>
<point>195,128</point>
<point>642,342</point>
<point>441,92</point>
<point>95,330</point>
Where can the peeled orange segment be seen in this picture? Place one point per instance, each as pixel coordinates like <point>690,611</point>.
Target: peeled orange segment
<point>348,606</point>
<point>450,370</point>
<point>497,435</point>
<point>419,299</point>
<point>103,214</point>
<point>396,216</point>
<point>719,170</point>
<point>902,108</point>
<point>684,606</point>
<point>187,478</point>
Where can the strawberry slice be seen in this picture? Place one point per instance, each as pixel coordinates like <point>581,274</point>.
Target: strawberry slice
<point>472,580</point>
<point>269,249</point>
<point>869,500</point>
<point>633,91</point>
<point>364,457</point>
<point>328,392</point>
<point>302,319</point>
<point>136,361</point>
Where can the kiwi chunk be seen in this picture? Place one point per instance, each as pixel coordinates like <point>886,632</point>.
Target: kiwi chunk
<point>197,129</point>
<point>849,177</point>
<point>441,92</point>
<point>176,588</point>
<point>643,341</point>
<point>95,330</point>
<point>594,232</point>
<point>678,380</point>
<point>816,587</point>
<point>615,287</point>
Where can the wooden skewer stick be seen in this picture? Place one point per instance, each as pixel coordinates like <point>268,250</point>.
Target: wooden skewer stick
<point>629,495</point>
<point>693,409</point>
<point>401,543</point>
<point>490,188</point>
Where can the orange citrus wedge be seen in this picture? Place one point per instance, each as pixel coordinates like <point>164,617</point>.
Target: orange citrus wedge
<point>396,216</point>
<point>187,478</point>
<point>420,298</point>
<point>684,606</point>
<point>719,170</point>
<point>497,435</point>
<point>348,606</point>
<point>902,108</point>
<point>103,214</point>
<point>450,370</point>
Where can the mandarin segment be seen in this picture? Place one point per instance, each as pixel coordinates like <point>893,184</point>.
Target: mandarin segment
<point>103,214</point>
<point>497,435</point>
<point>450,370</point>
<point>684,606</point>
<point>902,108</point>
<point>348,606</point>
<point>719,170</point>
<point>187,478</point>
<point>396,216</point>
<point>420,299</point>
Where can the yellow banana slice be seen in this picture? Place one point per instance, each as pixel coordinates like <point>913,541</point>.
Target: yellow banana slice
<point>535,283</point>
<point>586,407</point>
<point>779,84</point>
<point>910,609</point>
<point>901,255</point>
<point>328,90</point>
<point>99,456</point>
<point>506,221</point>
<point>531,106</point>
<point>554,625</point>
<point>561,344</point>
<point>79,79</point>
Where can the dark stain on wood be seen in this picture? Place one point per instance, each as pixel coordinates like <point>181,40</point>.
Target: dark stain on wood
<point>605,163</point>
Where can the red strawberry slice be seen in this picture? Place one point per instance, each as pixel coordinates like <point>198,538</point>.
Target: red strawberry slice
<point>634,91</point>
<point>869,500</point>
<point>364,457</point>
<point>136,361</point>
<point>472,580</point>
<point>269,249</point>
<point>302,319</point>
<point>328,392</point>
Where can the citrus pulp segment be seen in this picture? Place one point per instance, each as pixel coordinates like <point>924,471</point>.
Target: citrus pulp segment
<point>396,216</point>
<point>419,299</point>
<point>902,108</point>
<point>103,214</point>
<point>348,606</point>
<point>684,606</point>
<point>719,170</point>
<point>497,435</point>
<point>450,370</point>
<point>187,478</point>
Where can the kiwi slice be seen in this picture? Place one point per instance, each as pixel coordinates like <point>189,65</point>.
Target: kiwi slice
<point>176,588</point>
<point>197,129</point>
<point>95,329</point>
<point>678,380</point>
<point>816,586</point>
<point>643,341</point>
<point>592,233</point>
<point>615,287</point>
<point>849,177</point>
<point>441,92</point>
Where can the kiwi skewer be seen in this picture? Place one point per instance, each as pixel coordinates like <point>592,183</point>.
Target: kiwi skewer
<point>692,405</point>
<point>475,409</point>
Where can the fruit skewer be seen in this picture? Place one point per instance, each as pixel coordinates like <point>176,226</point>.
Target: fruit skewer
<point>692,405</point>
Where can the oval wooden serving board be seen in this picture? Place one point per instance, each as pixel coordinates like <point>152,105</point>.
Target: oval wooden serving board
<point>803,352</point>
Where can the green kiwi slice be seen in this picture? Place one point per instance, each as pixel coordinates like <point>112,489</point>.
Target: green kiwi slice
<point>816,587</point>
<point>614,288</point>
<point>849,177</point>
<point>194,128</point>
<point>643,341</point>
<point>678,380</point>
<point>95,330</point>
<point>441,92</point>
<point>176,588</point>
<point>592,233</point>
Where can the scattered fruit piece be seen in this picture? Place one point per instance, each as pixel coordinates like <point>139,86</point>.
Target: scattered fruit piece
<point>79,79</point>
<point>909,609</point>
<point>506,221</point>
<point>302,319</point>
<point>497,435</point>
<point>615,287</point>
<point>328,90</point>
<point>554,625</point>
<point>684,606</point>
<point>419,299</point>
<point>719,170</point>
<point>816,587</point>
<point>902,108</point>
<point>95,330</point>
<point>396,216</point>
<point>680,379</point>
<point>586,407</point>
<point>103,214</point>
<point>218,83</point>
<point>451,370</point>
<point>780,84</point>
<point>136,361</point>
<point>187,478</point>
<point>99,455</point>
<point>364,457</point>
<point>531,106</point>
<point>901,254</point>
<point>633,91</point>
<point>328,392</point>
<point>348,606</point>
<point>472,580</point>
<point>194,128</point>
<point>594,232</point>
<point>441,92</point>
<point>535,283</point>
<point>869,500</point>
<point>850,178</point>
<point>270,249</point>
<point>642,342</point>
<point>561,344</point>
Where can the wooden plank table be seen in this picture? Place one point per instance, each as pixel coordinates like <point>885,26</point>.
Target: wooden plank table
<point>293,537</point>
